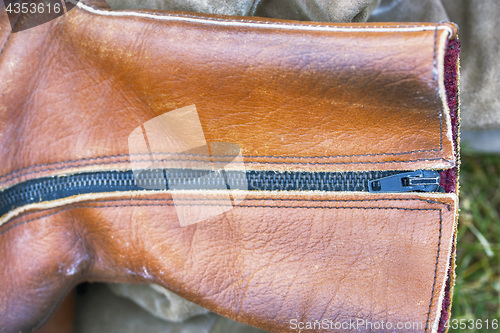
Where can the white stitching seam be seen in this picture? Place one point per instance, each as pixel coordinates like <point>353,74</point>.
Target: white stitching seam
<point>259,24</point>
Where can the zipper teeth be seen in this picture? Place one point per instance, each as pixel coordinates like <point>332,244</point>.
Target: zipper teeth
<point>315,181</point>
<point>36,190</point>
<point>30,190</point>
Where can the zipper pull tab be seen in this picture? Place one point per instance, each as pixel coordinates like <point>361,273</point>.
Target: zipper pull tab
<point>420,181</point>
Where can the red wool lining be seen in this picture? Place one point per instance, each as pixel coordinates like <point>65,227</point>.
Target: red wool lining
<point>449,177</point>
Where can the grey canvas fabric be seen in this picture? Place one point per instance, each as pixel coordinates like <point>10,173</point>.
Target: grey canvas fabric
<point>409,11</point>
<point>99,310</point>
<point>310,10</point>
<point>480,67</point>
<point>158,301</point>
<point>480,81</point>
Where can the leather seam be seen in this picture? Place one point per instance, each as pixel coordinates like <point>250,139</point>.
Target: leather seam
<point>436,87</point>
<point>89,205</point>
<point>435,270</point>
<point>448,206</point>
<point>64,166</point>
<point>5,43</point>
<point>150,199</point>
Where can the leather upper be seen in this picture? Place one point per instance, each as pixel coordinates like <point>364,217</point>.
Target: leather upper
<point>291,96</point>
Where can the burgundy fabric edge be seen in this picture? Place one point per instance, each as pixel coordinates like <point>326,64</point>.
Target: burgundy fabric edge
<point>448,294</point>
<point>449,176</point>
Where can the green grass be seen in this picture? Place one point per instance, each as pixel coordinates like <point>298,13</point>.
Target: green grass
<point>477,288</point>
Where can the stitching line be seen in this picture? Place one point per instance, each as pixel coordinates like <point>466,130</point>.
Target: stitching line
<point>87,205</point>
<point>254,199</point>
<point>246,199</point>
<point>435,270</point>
<point>436,87</point>
<point>280,199</point>
<point>247,162</point>
<point>172,153</point>
<point>7,40</point>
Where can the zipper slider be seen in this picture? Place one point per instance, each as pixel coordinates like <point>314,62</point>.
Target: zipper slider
<point>420,181</point>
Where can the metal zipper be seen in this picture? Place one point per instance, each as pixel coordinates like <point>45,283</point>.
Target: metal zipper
<point>53,188</point>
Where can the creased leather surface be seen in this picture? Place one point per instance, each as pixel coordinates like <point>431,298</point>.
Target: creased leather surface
<point>267,261</point>
<point>290,99</point>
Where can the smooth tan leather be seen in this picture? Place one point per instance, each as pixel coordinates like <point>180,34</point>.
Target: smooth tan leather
<point>63,318</point>
<point>292,96</point>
